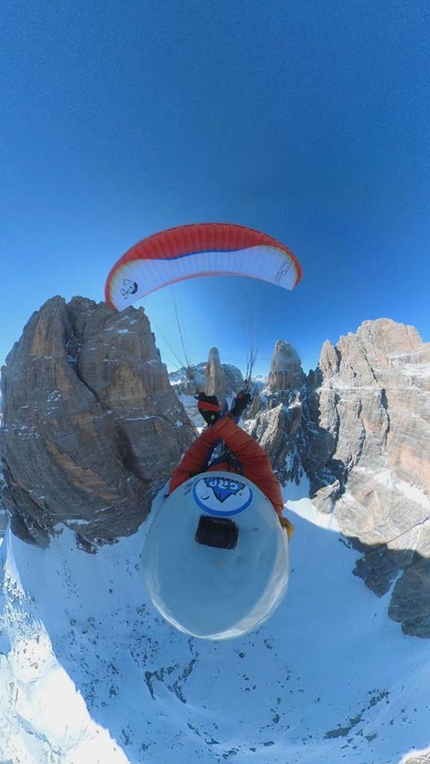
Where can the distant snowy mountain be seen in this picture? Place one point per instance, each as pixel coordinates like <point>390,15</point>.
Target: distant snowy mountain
<point>90,673</point>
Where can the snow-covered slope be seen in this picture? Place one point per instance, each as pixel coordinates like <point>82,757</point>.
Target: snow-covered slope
<point>89,673</point>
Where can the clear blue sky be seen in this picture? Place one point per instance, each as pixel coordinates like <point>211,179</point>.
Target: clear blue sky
<point>308,120</point>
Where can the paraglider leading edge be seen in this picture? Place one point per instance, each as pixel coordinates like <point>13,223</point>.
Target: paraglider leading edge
<point>199,250</point>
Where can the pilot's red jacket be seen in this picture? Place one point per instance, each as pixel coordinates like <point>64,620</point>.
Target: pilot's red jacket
<point>255,462</point>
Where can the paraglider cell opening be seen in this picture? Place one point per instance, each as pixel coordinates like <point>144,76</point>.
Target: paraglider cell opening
<point>219,532</point>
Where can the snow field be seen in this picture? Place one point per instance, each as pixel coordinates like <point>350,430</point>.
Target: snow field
<point>91,673</point>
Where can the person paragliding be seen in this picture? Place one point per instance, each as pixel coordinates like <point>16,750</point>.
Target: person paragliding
<point>216,557</point>
<point>215,560</point>
<point>240,453</point>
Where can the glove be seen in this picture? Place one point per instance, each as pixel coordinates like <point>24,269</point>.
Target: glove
<point>209,408</point>
<point>289,527</point>
<point>242,401</point>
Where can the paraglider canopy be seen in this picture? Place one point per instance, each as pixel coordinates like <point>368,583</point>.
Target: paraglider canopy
<point>199,250</point>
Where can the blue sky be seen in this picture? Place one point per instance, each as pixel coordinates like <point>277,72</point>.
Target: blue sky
<point>308,120</point>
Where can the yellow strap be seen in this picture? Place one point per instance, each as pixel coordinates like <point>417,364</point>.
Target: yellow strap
<point>289,527</point>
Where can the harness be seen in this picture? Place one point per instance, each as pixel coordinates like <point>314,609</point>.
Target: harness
<point>220,453</point>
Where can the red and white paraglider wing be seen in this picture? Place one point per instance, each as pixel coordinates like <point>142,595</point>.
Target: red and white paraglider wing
<point>200,250</point>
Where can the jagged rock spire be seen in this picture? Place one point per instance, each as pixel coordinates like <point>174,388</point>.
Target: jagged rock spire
<point>286,371</point>
<point>222,380</point>
<point>215,377</point>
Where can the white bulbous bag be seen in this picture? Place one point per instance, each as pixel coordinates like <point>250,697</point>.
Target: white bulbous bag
<point>204,589</point>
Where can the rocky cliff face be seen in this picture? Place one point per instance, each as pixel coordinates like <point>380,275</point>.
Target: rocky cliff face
<point>359,428</point>
<point>375,403</point>
<point>374,400</point>
<point>222,380</point>
<point>91,427</point>
<point>284,418</point>
<point>286,371</point>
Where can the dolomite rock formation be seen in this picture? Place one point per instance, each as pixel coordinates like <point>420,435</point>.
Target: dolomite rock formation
<point>211,377</point>
<point>284,419</point>
<point>375,404</point>
<point>234,380</point>
<point>286,371</point>
<point>91,427</point>
<point>359,427</point>
<point>222,380</point>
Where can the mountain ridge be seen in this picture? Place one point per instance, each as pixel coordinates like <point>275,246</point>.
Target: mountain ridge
<point>92,428</point>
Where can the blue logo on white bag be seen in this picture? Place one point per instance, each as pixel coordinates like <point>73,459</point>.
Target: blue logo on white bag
<point>222,496</point>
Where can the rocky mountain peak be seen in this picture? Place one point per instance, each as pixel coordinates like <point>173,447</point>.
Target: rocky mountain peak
<point>222,380</point>
<point>215,377</point>
<point>374,401</point>
<point>92,429</point>
<point>359,428</point>
<point>358,357</point>
<point>87,405</point>
<point>286,371</point>
<point>280,414</point>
